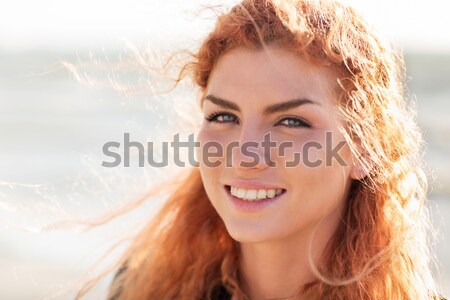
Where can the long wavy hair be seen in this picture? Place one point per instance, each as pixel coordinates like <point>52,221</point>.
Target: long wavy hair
<point>380,249</point>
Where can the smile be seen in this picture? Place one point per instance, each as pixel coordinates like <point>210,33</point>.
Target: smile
<point>254,194</point>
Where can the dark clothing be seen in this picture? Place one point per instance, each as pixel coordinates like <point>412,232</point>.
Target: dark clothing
<point>220,293</point>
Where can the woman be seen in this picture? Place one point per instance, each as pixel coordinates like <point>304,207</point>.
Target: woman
<point>314,188</point>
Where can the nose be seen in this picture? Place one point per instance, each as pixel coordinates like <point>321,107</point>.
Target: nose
<point>252,151</point>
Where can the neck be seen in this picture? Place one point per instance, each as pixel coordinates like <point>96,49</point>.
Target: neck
<point>278,269</point>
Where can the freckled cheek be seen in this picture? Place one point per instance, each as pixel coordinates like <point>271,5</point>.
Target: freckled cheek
<point>208,171</point>
<point>212,147</point>
<point>301,152</point>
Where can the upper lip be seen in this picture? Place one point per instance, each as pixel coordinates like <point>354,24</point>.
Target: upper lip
<point>253,185</point>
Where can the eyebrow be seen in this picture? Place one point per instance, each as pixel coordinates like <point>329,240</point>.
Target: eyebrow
<point>278,107</point>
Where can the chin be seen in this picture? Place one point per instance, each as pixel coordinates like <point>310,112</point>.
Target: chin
<point>251,233</point>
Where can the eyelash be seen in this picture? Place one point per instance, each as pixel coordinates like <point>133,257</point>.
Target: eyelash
<point>213,118</point>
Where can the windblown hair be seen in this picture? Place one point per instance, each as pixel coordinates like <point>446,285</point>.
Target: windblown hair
<point>381,247</point>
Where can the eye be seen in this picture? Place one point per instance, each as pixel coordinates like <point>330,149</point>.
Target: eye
<point>221,117</point>
<point>294,122</point>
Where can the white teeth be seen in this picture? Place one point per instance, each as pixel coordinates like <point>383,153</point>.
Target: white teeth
<point>251,194</point>
<point>254,195</point>
<point>241,193</point>
<point>271,193</point>
<point>262,194</point>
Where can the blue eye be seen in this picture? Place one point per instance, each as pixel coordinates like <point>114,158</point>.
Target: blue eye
<point>294,122</point>
<point>221,117</point>
<point>224,117</point>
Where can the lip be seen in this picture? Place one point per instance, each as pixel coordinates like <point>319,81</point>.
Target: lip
<point>252,206</point>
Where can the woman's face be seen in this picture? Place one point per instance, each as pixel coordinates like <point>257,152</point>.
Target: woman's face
<point>283,165</point>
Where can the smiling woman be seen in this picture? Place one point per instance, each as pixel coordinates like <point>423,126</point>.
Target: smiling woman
<point>280,77</point>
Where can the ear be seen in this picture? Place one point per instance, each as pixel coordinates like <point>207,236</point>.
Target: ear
<point>359,170</point>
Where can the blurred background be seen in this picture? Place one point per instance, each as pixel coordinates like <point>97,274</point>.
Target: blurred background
<point>62,64</point>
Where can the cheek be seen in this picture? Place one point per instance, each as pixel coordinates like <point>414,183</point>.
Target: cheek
<point>210,155</point>
<point>315,150</point>
<point>319,184</point>
<point>215,147</point>
<point>305,151</point>
<point>210,151</point>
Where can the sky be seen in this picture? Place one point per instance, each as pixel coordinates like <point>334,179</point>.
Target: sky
<point>47,24</point>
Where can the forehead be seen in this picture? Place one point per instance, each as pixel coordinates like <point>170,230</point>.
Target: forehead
<point>270,75</point>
